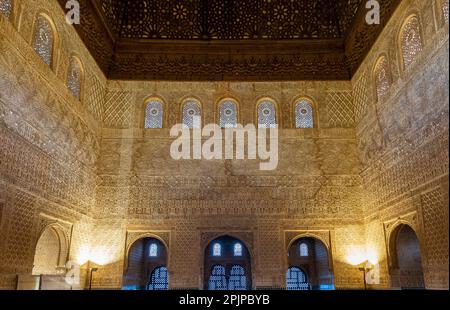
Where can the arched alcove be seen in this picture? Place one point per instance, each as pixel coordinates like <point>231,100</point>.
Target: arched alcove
<point>309,265</point>
<point>406,259</point>
<point>146,266</point>
<point>227,265</point>
<point>51,252</point>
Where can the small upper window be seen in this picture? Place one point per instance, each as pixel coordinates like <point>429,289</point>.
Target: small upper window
<point>445,10</point>
<point>382,77</point>
<point>154,114</point>
<point>304,116</point>
<point>410,40</point>
<point>5,7</point>
<point>74,77</point>
<point>304,251</point>
<point>192,114</point>
<point>43,41</point>
<point>217,249</point>
<point>228,114</point>
<point>153,250</point>
<point>267,114</point>
<point>237,249</point>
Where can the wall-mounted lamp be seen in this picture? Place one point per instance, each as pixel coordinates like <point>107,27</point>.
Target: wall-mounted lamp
<point>91,272</point>
<point>365,267</point>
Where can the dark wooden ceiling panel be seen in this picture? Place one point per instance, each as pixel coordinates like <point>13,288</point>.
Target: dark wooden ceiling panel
<point>229,39</point>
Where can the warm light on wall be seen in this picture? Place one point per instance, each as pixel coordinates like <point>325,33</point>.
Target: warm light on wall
<point>356,255</point>
<point>97,255</point>
<point>83,255</point>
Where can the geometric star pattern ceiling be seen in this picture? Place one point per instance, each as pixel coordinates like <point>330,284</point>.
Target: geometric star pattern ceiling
<point>229,40</point>
<point>230,19</point>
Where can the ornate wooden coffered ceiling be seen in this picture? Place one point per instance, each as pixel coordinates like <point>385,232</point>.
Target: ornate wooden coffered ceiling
<point>229,39</point>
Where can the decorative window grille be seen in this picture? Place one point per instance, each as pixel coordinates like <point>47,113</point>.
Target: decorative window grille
<point>6,7</point>
<point>237,280</point>
<point>445,10</point>
<point>237,251</point>
<point>410,40</point>
<point>154,114</point>
<point>228,114</point>
<point>303,249</point>
<point>153,251</point>
<point>382,77</point>
<point>43,40</point>
<point>74,78</point>
<point>267,115</point>
<point>304,116</point>
<point>217,249</point>
<point>296,280</point>
<point>217,279</point>
<point>192,114</point>
<point>159,280</point>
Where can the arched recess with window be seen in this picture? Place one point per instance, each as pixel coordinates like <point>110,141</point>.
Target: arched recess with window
<point>45,39</point>
<point>382,77</point>
<point>154,113</point>
<point>410,40</point>
<point>75,77</point>
<point>305,114</point>
<point>405,258</point>
<point>146,267</point>
<point>267,113</point>
<point>6,8</point>
<point>228,113</point>
<point>51,251</point>
<point>309,265</point>
<point>191,111</point>
<point>227,265</point>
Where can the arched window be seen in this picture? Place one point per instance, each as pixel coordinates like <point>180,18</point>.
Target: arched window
<point>445,10</point>
<point>296,280</point>
<point>5,7</point>
<point>304,115</point>
<point>309,265</point>
<point>382,77</point>
<point>217,280</point>
<point>154,113</point>
<point>43,40</point>
<point>153,251</point>
<point>75,77</point>
<point>228,114</point>
<point>237,280</point>
<point>227,265</point>
<point>303,249</point>
<point>217,249</point>
<point>159,280</point>
<point>267,114</point>
<point>192,114</point>
<point>410,40</point>
<point>237,251</point>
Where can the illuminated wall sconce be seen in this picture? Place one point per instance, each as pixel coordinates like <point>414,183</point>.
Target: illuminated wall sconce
<point>365,267</point>
<point>91,271</point>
